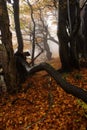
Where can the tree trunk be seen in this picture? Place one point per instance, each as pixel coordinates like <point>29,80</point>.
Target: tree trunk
<point>68,19</point>
<point>17,26</point>
<point>63,36</point>
<point>85,29</point>
<point>8,61</point>
<point>75,25</point>
<point>33,32</point>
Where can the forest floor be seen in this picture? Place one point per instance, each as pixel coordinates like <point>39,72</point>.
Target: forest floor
<point>43,105</point>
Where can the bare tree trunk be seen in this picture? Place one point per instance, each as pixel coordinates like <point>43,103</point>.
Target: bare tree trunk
<point>84,26</point>
<point>17,26</point>
<point>8,61</point>
<point>33,32</point>
<point>69,18</point>
<point>45,33</point>
<point>63,36</point>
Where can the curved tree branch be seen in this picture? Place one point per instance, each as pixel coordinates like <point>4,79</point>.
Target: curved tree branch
<point>67,87</point>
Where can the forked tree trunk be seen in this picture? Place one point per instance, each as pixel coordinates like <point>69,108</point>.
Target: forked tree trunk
<point>8,60</point>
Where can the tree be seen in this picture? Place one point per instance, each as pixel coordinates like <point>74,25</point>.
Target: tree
<point>17,26</point>
<point>84,29</point>
<point>21,66</point>
<point>69,23</point>
<point>43,29</point>
<point>34,26</point>
<point>8,60</point>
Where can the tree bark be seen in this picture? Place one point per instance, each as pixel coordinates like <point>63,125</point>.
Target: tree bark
<point>33,32</point>
<point>17,26</point>
<point>63,36</point>
<point>8,61</point>
<point>68,19</point>
<point>84,26</point>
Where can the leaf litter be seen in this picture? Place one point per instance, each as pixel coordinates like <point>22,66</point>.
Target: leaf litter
<point>43,105</point>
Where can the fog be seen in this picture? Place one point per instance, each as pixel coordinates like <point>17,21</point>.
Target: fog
<point>50,21</point>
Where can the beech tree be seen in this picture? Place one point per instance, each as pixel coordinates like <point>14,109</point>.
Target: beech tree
<point>68,26</point>
<point>17,25</point>
<point>7,55</point>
